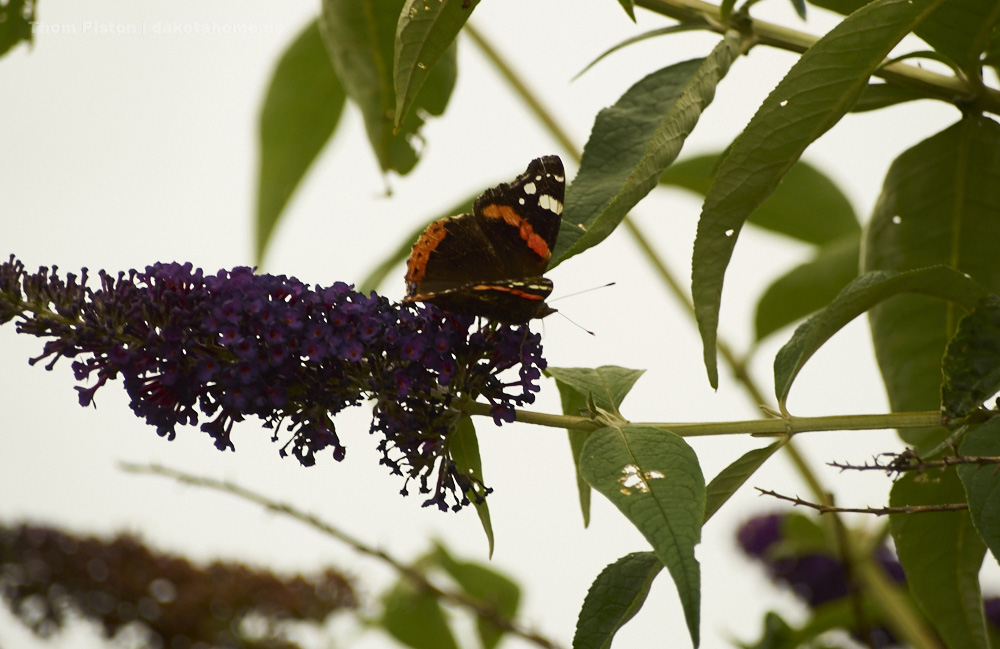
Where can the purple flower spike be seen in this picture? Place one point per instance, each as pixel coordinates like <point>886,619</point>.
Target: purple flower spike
<point>217,349</point>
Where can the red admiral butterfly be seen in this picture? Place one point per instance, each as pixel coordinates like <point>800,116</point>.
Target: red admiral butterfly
<point>490,263</point>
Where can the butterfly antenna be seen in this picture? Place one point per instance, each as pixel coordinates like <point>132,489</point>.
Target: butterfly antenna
<point>586,290</point>
<point>574,322</point>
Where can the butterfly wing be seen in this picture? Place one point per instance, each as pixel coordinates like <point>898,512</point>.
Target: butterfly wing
<point>531,207</point>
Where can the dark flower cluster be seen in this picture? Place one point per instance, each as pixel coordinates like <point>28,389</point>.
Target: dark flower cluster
<point>991,608</point>
<point>47,574</point>
<point>818,576</point>
<point>217,349</point>
<point>815,575</point>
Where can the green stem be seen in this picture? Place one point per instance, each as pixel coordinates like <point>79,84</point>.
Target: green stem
<point>939,86</point>
<point>803,424</point>
<point>808,475</point>
<point>522,91</point>
<point>898,611</point>
<point>755,427</point>
<point>737,365</point>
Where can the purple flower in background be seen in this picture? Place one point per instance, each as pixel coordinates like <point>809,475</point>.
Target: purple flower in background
<point>991,606</point>
<point>214,350</point>
<point>760,533</point>
<point>816,575</point>
<point>817,578</point>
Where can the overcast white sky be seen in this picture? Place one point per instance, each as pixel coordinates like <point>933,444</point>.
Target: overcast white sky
<point>119,150</point>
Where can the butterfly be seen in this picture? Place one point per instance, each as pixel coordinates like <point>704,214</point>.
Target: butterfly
<point>490,263</point>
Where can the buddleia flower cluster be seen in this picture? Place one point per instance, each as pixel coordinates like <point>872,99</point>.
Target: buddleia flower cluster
<point>213,350</point>
<point>817,575</point>
<point>138,596</point>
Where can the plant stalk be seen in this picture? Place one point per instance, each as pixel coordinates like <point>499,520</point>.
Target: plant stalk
<point>755,427</point>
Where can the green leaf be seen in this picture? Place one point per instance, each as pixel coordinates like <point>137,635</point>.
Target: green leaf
<point>939,205</point>
<point>941,554</point>
<point>632,143</point>
<point>652,476</point>
<point>360,38</point>
<point>809,287</point>
<point>16,17</point>
<point>483,584</point>
<point>608,384</point>
<point>819,89</point>
<point>807,205</point>
<point>724,485</point>
<point>971,363</point>
<point>838,614</point>
<point>778,634</point>
<point>629,7</point>
<point>300,112</point>
<point>859,296</point>
<point>882,95</point>
<point>416,618</point>
<point>929,55</point>
<point>464,448</point>
<point>982,483</point>
<point>959,29</point>
<point>377,275</point>
<point>895,608</point>
<point>614,598</point>
<point>801,535</point>
<point>662,31</point>
<point>425,31</point>
<point>574,403</point>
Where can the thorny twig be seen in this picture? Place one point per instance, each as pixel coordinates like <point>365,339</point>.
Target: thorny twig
<point>908,460</point>
<point>482,609</point>
<point>876,511</point>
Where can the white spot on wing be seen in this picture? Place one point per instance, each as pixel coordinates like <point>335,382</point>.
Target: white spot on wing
<point>530,188</point>
<point>549,203</point>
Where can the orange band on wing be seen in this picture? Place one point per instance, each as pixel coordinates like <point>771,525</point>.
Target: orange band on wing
<point>416,265</point>
<point>507,289</point>
<point>513,219</point>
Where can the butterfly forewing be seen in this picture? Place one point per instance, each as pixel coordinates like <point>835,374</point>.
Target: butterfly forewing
<point>531,206</point>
